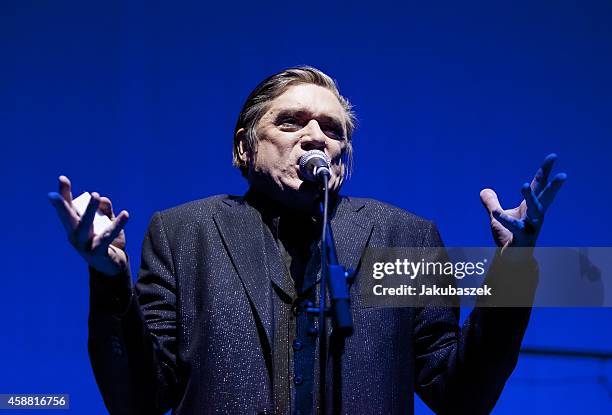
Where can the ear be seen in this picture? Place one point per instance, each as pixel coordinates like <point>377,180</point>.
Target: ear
<point>243,153</point>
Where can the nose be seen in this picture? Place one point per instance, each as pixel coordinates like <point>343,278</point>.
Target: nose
<point>313,137</point>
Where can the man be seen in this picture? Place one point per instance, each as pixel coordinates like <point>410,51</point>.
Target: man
<point>216,322</point>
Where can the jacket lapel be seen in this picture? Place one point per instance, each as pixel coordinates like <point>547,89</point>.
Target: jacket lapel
<point>241,229</point>
<point>352,228</point>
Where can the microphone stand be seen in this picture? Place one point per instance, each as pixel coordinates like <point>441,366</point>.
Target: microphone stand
<point>335,277</point>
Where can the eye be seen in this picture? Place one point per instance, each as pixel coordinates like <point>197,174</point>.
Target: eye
<point>334,133</point>
<point>289,123</point>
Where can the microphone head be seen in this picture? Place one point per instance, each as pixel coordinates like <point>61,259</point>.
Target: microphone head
<point>312,163</point>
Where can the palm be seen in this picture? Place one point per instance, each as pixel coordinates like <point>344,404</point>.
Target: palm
<point>115,258</point>
<point>521,225</point>
<point>501,235</point>
<point>104,252</point>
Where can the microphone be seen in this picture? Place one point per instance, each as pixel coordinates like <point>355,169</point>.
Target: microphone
<point>314,164</point>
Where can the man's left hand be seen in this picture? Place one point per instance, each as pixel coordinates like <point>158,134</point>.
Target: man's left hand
<point>521,225</point>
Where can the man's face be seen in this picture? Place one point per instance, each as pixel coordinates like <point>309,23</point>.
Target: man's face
<point>305,117</point>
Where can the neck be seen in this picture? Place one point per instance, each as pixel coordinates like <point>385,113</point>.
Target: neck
<point>300,203</point>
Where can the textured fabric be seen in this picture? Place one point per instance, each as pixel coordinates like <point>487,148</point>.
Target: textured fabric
<point>297,346</point>
<point>293,348</point>
<point>197,336</point>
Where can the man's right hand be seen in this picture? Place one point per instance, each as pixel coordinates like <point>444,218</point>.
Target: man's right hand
<point>105,252</point>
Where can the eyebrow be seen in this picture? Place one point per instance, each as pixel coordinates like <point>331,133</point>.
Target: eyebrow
<point>300,113</point>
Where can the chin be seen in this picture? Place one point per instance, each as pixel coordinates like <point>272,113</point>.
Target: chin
<point>299,195</point>
<point>309,189</point>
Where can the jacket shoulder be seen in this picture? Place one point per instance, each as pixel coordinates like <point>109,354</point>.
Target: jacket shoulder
<point>397,227</point>
<point>206,205</point>
<point>201,210</point>
<point>386,212</point>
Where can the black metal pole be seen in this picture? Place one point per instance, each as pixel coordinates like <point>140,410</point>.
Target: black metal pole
<point>333,276</point>
<point>322,302</point>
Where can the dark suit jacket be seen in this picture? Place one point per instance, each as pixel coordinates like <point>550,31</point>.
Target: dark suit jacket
<point>196,333</point>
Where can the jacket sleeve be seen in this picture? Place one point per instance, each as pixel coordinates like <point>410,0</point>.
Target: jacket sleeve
<point>132,331</point>
<point>462,370</point>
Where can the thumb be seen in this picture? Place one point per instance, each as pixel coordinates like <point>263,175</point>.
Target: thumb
<point>489,200</point>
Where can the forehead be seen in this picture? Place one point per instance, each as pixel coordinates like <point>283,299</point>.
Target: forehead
<point>310,98</point>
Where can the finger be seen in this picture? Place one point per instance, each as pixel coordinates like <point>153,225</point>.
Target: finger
<point>489,200</point>
<point>540,180</point>
<point>512,224</point>
<point>65,189</point>
<point>67,215</point>
<point>114,229</point>
<point>106,207</point>
<point>534,208</point>
<point>548,194</point>
<point>84,227</point>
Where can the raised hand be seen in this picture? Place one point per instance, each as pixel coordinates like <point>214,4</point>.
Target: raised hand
<point>520,226</point>
<point>104,252</point>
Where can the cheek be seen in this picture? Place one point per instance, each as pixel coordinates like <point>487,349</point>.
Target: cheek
<point>338,166</point>
<point>335,151</point>
<point>275,156</point>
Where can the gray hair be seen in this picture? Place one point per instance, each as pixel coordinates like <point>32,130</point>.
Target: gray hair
<point>257,103</point>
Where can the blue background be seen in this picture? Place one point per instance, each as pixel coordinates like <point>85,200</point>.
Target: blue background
<point>137,100</point>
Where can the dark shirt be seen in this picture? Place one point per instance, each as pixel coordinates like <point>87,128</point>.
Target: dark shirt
<point>295,330</point>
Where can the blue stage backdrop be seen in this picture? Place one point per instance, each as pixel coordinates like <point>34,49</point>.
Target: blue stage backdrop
<point>137,100</point>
